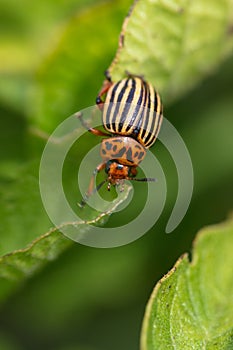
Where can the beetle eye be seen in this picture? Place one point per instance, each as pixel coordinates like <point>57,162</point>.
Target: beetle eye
<point>119,167</point>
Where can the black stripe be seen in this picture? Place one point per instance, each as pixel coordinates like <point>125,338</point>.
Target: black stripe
<point>147,140</point>
<point>111,105</point>
<point>156,120</point>
<point>151,142</point>
<point>147,116</point>
<point>158,115</point>
<point>131,92</point>
<point>155,117</point>
<point>127,106</point>
<point>136,110</point>
<point>158,124</point>
<point>136,131</point>
<point>116,106</point>
<point>114,91</point>
<point>156,102</point>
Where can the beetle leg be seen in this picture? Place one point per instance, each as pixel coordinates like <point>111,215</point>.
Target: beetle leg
<point>106,86</point>
<point>107,75</point>
<point>91,188</point>
<point>133,171</point>
<point>91,130</point>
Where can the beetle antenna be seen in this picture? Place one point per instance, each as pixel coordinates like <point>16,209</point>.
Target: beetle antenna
<point>144,179</point>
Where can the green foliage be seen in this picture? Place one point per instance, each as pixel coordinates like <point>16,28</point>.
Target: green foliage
<point>180,42</point>
<point>52,59</point>
<point>60,91</point>
<point>191,307</point>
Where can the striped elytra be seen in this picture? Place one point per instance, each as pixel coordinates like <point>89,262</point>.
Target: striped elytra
<point>133,108</point>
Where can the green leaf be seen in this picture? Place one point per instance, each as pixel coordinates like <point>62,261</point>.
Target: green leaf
<point>8,342</point>
<point>192,306</point>
<point>26,34</point>
<point>70,76</point>
<point>22,216</point>
<point>174,43</point>
<point>26,31</point>
<point>23,263</point>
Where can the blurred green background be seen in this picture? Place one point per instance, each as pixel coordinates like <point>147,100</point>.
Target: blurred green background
<point>52,59</point>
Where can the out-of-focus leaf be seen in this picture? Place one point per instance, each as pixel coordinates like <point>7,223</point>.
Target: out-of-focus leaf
<point>22,215</point>
<point>208,137</point>
<point>72,73</point>
<point>7,343</point>
<point>16,266</point>
<point>174,43</point>
<point>26,31</point>
<point>191,307</point>
<point>23,24</point>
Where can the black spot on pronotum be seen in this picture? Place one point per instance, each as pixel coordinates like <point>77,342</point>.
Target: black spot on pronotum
<point>120,153</point>
<point>108,145</point>
<point>118,140</point>
<point>137,146</point>
<point>114,148</point>
<point>140,155</point>
<point>129,154</point>
<point>103,151</point>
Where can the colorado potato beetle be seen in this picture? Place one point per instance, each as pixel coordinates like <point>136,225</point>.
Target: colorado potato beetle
<point>132,116</point>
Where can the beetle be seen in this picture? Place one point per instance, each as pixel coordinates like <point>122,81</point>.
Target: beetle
<point>132,114</point>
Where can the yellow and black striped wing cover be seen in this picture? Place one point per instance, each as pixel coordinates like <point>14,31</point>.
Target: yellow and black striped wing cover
<point>133,108</point>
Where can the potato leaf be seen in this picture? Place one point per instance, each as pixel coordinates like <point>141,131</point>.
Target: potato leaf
<point>191,307</point>
<point>174,43</point>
